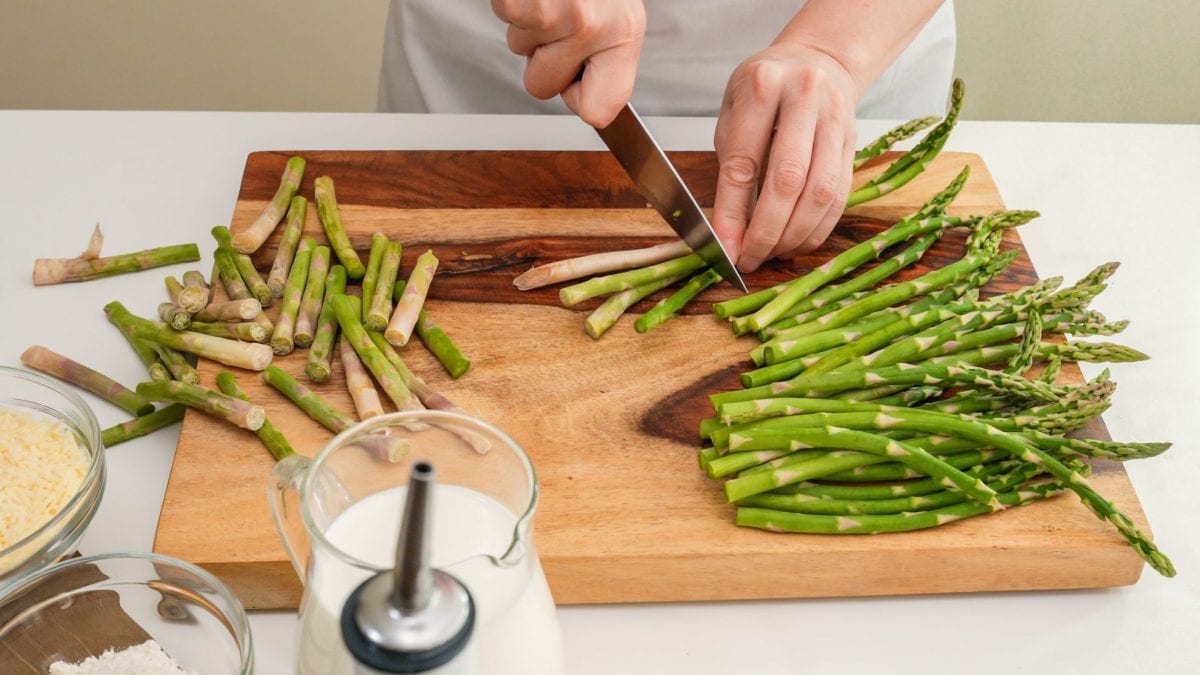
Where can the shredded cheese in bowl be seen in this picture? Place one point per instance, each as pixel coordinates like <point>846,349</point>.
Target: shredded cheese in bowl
<point>41,469</point>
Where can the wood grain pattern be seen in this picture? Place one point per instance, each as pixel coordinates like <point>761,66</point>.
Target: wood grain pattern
<point>625,514</point>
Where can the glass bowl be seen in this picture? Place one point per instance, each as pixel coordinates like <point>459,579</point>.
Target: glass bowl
<point>42,397</point>
<point>84,606</point>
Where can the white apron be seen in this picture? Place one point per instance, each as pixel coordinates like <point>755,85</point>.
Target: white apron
<point>450,56</point>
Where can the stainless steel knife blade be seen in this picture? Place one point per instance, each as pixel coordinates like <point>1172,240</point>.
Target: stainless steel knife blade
<point>640,155</point>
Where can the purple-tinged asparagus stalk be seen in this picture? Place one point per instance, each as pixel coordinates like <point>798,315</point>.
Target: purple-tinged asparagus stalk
<point>47,271</point>
<point>230,310</point>
<point>52,363</point>
<point>408,309</point>
<point>233,410</point>
<point>320,353</point>
<point>379,302</point>
<point>311,300</point>
<point>276,443</point>
<point>358,382</point>
<point>140,426</point>
<point>251,238</point>
<point>277,277</point>
<point>285,323</point>
<point>230,352</point>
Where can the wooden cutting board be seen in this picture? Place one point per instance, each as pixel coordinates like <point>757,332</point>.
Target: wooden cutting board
<point>611,425</point>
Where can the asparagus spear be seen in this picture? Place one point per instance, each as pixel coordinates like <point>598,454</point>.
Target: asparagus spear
<point>230,310</point>
<point>195,294</point>
<point>1030,340</point>
<point>229,352</point>
<point>233,410</point>
<point>599,263</point>
<point>404,318</point>
<point>606,315</point>
<point>174,316</point>
<point>622,281</point>
<point>358,382</point>
<point>145,354</point>
<point>251,238</point>
<point>391,448</point>
<point>321,351</point>
<point>140,426</point>
<point>436,340</point>
<point>885,142</point>
<point>277,277</point>
<point>228,272</point>
<point>331,220</point>
<point>379,302</point>
<point>245,267</point>
<point>272,438</point>
<point>347,310</point>
<point>379,244</point>
<point>429,397</point>
<point>175,363</point>
<point>314,293</point>
<point>52,363</point>
<point>244,330</point>
<point>668,307</point>
<point>281,339</point>
<point>47,271</point>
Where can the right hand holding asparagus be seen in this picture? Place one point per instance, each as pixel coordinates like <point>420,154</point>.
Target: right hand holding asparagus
<point>560,37</point>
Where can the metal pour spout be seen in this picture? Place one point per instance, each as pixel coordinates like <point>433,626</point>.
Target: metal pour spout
<point>412,580</point>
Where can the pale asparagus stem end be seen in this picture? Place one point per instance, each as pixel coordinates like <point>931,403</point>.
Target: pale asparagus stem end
<point>599,263</point>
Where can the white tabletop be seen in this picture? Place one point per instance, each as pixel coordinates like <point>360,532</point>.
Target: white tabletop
<point>1106,192</point>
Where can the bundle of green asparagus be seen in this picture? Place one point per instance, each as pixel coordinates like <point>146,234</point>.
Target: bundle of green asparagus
<point>643,272</point>
<point>844,429</point>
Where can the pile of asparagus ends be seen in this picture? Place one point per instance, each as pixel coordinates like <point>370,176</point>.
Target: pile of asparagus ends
<point>906,406</point>
<point>315,310</point>
<point>631,276</point>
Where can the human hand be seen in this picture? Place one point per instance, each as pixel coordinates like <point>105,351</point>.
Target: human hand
<point>790,109</point>
<point>560,37</point>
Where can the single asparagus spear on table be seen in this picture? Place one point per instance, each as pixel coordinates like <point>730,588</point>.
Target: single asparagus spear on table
<point>314,294</point>
<point>358,382</point>
<point>228,272</point>
<point>245,267</point>
<point>277,277</point>
<point>233,410</point>
<point>320,353</point>
<point>379,244</point>
<point>285,323</point>
<point>250,239</point>
<point>230,352</point>
<point>331,220</point>
<point>380,300</point>
<point>272,438</point>
<point>52,363</point>
<point>47,271</point>
<point>408,308</point>
<point>436,340</point>
<point>140,426</point>
<point>599,263</point>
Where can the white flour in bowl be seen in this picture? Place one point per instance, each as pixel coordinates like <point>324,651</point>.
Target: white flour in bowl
<point>147,658</point>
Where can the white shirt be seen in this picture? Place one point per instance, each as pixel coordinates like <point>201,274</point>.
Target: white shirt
<point>450,56</point>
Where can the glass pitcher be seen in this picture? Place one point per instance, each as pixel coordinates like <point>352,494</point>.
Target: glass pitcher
<point>347,514</point>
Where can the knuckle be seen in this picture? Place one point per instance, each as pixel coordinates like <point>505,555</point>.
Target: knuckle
<point>788,176</point>
<point>765,78</point>
<point>740,170</point>
<point>823,191</point>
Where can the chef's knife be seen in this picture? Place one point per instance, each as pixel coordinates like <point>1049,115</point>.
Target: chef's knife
<point>640,155</point>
